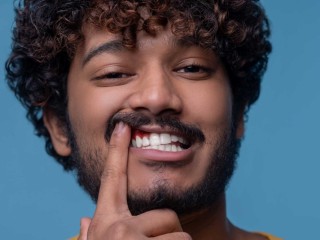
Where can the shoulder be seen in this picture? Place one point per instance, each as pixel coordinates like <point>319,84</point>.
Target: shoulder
<point>240,234</point>
<point>269,236</point>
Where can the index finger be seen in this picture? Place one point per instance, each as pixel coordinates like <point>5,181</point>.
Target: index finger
<point>113,189</point>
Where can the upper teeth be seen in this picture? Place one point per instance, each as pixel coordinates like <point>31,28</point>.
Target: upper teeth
<point>160,141</point>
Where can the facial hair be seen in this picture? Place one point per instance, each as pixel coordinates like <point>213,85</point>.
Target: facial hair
<point>89,164</point>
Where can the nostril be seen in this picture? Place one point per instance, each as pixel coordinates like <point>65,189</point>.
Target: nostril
<point>155,97</point>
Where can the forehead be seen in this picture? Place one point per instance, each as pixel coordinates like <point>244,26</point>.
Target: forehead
<point>97,41</point>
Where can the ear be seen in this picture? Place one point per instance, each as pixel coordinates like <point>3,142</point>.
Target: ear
<point>57,133</point>
<point>240,128</point>
<point>240,124</point>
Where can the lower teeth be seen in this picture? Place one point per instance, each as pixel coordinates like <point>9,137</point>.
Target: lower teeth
<point>167,148</point>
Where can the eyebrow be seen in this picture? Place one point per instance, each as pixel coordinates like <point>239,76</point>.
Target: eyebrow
<point>108,47</point>
<point>117,46</point>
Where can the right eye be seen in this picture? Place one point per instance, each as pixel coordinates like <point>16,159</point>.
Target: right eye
<point>112,75</point>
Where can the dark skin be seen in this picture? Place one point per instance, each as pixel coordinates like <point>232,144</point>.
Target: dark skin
<point>159,77</point>
<point>113,220</point>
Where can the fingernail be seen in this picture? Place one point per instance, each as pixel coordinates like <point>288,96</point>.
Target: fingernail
<point>119,127</point>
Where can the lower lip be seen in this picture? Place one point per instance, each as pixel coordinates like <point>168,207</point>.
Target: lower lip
<point>162,156</point>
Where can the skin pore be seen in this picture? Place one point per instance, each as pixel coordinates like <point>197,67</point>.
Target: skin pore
<point>160,78</point>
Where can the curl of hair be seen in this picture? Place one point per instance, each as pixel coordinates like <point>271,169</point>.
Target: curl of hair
<point>47,33</point>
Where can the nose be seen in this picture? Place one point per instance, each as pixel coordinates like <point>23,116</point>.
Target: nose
<point>156,93</point>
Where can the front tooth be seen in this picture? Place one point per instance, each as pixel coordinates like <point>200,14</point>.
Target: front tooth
<point>174,148</point>
<point>154,139</point>
<point>145,141</point>
<point>165,138</point>
<point>174,138</point>
<point>161,147</point>
<point>182,140</point>
<point>156,147</point>
<point>139,141</point>
<point>168,148</point>
<point>134,143</point>
<point>147,147</point>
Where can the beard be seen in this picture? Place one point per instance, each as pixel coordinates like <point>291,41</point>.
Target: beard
<point>89,161</point>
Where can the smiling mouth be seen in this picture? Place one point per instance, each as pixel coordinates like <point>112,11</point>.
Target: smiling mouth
<point>167,142</point>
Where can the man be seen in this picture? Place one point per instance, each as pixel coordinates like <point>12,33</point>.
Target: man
<point>145,100</point>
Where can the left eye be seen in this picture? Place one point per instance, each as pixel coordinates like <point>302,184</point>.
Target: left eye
<point>194,72</point>
<point>193,69</point>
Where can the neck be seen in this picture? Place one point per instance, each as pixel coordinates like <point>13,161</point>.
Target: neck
<point>210,223</point>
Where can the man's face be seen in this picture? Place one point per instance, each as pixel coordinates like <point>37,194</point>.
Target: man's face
<point>164,90</point>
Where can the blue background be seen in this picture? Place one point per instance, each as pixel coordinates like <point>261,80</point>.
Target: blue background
<point>276,187</point>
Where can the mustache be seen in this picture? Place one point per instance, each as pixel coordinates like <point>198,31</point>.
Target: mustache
<point>137,119</point>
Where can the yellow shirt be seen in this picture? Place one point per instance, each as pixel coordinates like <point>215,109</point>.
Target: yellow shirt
<point>270,237</point>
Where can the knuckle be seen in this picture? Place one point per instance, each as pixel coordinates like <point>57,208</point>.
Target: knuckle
<point>111,174</point>
<point>114,149</point>
<point>112,146</point>
<point>115,231</point>
<point>119,230</point>
<point>93,229</point>
<point>107,174</point>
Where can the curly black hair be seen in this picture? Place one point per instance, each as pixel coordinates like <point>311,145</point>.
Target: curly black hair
<point>47,33</point>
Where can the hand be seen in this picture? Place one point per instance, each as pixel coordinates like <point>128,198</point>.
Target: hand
<point>112,219</point>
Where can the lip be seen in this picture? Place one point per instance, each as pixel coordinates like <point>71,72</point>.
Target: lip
<point>151,155</point>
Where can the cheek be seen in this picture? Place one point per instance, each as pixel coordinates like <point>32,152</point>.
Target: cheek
<point>91,107</point>
<point>210,104</point>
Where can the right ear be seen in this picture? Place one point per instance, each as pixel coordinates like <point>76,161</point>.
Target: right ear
<point>57,133</point>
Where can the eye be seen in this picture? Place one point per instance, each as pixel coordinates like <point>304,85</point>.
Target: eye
<point>193,69</point>
<point>113,75</point>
